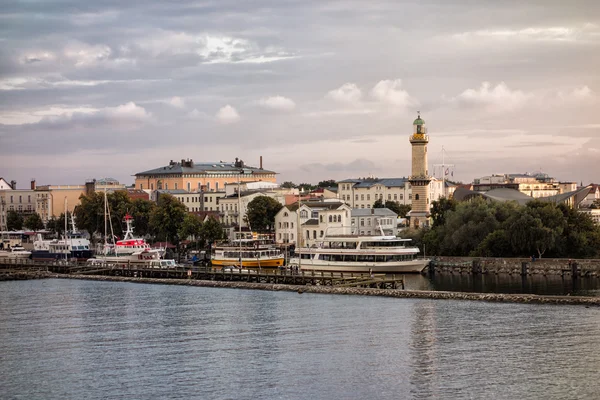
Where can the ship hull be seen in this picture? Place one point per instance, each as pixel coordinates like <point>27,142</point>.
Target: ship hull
<point>401,267</point>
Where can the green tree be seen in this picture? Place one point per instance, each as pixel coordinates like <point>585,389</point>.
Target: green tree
<point>288,185</point>
<point>191,227</point>
<point>400,209</point>
<point>378,204</point>
<point>90,213</point>
<point>51,225</point>
<point>166,219</point>
<point>439,208</point>
<point>34,222</point>
<point>327,183</point>
<point>212,231</point>
<point>261,213</point>
<point>14,221</point>
<point>306,187</point>
<point>141,211</point>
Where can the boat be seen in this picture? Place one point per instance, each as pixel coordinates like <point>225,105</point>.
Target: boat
<point>14,252</point>
<point>73,246</point>
<point>131,247</point>
<point>249,251</point>
<point>360,254</point>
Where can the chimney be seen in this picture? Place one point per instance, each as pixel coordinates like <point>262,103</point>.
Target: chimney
<point>261,162</point>
<point>33,184</point>
<point>13,184</point>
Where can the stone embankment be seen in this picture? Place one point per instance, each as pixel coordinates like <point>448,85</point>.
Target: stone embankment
<point>491,297</point>
<point>519,266</point>
<point>19,275</point>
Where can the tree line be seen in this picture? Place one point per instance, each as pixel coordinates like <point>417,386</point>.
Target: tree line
<point>506,229</point>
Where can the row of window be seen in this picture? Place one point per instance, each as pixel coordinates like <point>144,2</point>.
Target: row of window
<point>197,199</point>
<point>20,199</point>
<point>284,225</point>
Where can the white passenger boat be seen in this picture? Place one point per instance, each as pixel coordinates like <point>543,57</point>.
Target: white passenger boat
<point>361,254</point>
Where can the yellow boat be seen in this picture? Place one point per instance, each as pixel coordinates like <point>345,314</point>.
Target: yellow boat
<point>251,253</point>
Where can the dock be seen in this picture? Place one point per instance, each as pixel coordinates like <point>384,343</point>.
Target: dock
<point>18,267</point>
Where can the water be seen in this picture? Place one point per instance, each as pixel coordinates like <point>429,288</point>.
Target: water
<point>74,339</point>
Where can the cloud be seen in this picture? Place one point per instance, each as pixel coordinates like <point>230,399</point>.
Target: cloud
<point>210,49</point>
<point>347,93</point>
<point>54,81</point>
<point>176,102</point>
<point>278,103</point>
<point>577,95</point>
<point>538,34</point>
<point>499,98</point>
<point>390,92</point>
<point>227,114</point>
<point>125,117</point>
<point>85,55</point>
<point>36,115</point>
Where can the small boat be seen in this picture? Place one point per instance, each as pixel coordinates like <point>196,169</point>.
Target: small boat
<point>14,252</point>
<point>249,252</point>
<point>360,254</point>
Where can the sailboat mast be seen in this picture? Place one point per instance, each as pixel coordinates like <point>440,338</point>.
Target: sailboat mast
<point>240,216</point>
<point>443,174</point>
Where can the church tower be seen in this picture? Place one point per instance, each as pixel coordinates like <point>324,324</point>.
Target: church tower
<point>419,178</point>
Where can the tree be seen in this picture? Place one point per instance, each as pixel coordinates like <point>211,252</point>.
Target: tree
<point>14,221</point>
<point>90,213</point>
<point>167,217</point>
<point>261,213</point>
<point>34,222</point>
<point>327,183</point>
<point>288,185</point>
<point>400,209</point>
<point>212,230</point>
<point>141,211</point>
<point>378,204</point>
<point>191,227</point>
<point>439,209</point>
<point>51,225</point>
<point>306,187</point>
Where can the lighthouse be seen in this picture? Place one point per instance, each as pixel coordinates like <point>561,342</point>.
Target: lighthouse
<point>419,178</point>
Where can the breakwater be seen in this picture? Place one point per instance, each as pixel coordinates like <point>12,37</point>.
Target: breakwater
<point>300,289</point>
<point>519,266</point>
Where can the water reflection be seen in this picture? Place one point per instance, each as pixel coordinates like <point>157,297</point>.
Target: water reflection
<point>491,283</point>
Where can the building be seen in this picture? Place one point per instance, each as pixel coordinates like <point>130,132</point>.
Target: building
<point>594,214</point>
<point>374,222</point>
<point>315,218</point>
<point>533,185</point>
<point>194,177</point>
<point>363,193</point>
<point>571,199</point>
<point>54,200</point>
<point>21,201</point>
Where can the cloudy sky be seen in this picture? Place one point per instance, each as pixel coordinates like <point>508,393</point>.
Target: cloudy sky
<point>321,89</point>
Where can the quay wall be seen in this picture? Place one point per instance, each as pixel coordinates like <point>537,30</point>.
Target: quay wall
<point>491,297</point>
<point>523,266</point>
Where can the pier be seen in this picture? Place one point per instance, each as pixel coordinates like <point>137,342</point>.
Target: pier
<point>22,267</point>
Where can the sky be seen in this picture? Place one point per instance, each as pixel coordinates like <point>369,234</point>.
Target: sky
<point>320,89</point>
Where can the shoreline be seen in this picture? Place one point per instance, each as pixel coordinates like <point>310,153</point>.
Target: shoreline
<point>407,294</point>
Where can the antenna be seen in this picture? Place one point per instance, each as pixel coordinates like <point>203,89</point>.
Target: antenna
<point>444,171</point>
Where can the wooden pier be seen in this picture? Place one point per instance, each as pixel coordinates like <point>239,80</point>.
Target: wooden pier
<point>270,276</point>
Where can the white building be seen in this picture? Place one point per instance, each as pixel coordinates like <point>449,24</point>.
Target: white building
<point>316,218</point>
<point>362,193</point>
<point>373,221</point>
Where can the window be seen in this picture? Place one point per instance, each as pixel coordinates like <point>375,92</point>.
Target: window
<point>166,186</point>
<point>321,234</point>
<point>280,225</point>
<point>368,197</point>
<point>189,186</point>
<point>11,199</point>
<point>29,199</point>
<point>417,196</point>
<point>152,186</point>
<point>314,234</point>
<point>321,218</point>
<point>175,185</point>
<point>292,225</point>
<point>395,197</point>
<point>401,197</point>
<point>356,197</point>
<point>362,222</point>
<point>362,196</point>
<point>216,186</point>
<point>141,186</point>
<point>285,214</point>
<point>207,186</point>
<point>410,196</point>
<point>330,219</point>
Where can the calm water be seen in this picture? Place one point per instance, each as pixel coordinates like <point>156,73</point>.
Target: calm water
<point>534,284</point>
<point>71,339</point>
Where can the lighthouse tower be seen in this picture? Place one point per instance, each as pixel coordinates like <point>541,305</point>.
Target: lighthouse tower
<point>419,178</point>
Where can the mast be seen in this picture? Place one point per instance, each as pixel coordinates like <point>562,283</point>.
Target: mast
<point>443,165</point>
<point>240,217</point>
<point>66,222</point>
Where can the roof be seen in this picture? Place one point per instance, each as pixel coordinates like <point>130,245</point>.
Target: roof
<point>380,212</point>
<point>419,121</point>
<point>174,191</point>
<point>323,205</point>
<point>312,221</point>
<point>505,194</point>
<point>189,167</point>
<point>370,182</point>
